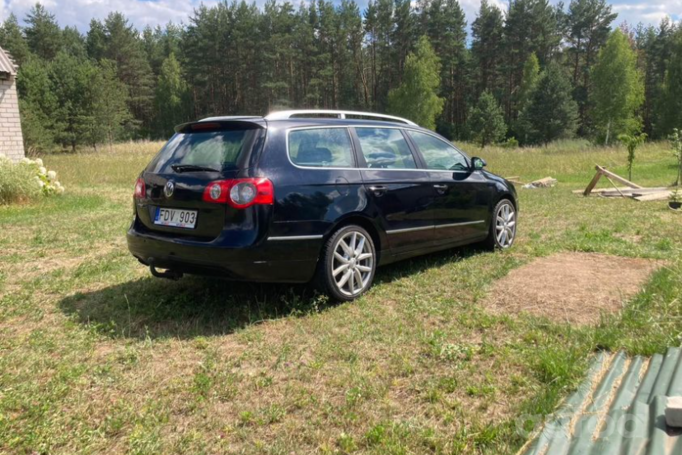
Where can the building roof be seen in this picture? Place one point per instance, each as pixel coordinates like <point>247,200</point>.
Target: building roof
<point>7,65</point>
<point>619,409</point>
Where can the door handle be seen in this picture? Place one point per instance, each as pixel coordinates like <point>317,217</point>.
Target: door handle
<point>378,190</point>
<point>441,188</point>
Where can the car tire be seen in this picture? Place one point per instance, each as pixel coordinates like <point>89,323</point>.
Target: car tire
<point>347,264</point>
<point>502,231</point>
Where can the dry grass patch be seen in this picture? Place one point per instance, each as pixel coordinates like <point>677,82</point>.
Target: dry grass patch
<point>571,287</point>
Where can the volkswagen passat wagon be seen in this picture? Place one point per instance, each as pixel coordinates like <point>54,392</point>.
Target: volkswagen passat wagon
<point>326,196</point>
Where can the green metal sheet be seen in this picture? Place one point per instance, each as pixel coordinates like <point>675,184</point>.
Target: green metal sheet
<point>618,410</point>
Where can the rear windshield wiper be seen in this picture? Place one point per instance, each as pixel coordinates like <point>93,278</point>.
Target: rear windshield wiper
<point>192,168</point>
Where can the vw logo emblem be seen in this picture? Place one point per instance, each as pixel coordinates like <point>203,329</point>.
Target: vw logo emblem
<point>169,188</point>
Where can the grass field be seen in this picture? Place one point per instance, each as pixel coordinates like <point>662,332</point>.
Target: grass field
<point>97,356</point>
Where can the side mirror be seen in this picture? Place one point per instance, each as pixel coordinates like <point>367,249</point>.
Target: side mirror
<point>478,163</point>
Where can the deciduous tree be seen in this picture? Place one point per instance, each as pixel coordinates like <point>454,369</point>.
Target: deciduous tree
<point>172,97</point>
<point>417,97</point>
<point>618,89</point>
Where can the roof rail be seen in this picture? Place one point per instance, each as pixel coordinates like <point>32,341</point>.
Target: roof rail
<point>283,115</point>
<point>228,117</point>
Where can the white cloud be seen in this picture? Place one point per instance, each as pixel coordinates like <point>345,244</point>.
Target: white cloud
<point>648,13</point>
<point>79,12</point>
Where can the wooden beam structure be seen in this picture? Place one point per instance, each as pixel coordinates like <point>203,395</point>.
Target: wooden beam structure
<point>602,171</point>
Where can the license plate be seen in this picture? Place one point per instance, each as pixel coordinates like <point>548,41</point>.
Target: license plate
<point>176,218</point>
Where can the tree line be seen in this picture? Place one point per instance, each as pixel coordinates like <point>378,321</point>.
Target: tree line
<point>531,74</point>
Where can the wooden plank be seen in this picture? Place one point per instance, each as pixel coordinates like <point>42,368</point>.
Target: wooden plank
<point>593,183</point>
<point>624,190</point>
<point>659,196</point>
<point>617,177</point>
<point>603,190</point>
<point>614,185</point>
<point>644,190</point>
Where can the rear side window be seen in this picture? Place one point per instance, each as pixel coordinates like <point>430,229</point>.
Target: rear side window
<point>438,154</point>
<point>385,148</point>
<point>321,147</point>
<point>218,150</point>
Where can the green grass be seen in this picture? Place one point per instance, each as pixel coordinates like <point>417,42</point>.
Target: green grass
<point>97,356</point>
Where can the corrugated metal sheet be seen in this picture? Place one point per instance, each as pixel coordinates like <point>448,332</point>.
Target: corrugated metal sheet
<point>618,410</point>
<point>6,64</point>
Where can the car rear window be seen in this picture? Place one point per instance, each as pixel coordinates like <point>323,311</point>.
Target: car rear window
<point>219,149</point>
<point>321,147</point>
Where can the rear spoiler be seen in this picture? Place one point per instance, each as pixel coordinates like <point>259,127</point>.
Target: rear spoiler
<point>221,123</point>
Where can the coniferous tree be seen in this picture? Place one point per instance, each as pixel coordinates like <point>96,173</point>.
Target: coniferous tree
<point>277,31</point>
<point>445,26</point>
<point>531,26</point>
<point>122,45</point>
<point>379,24</point>
<point>405,35</point>
<point>303,42</point>
<point>588,27</point>
<point>111,112</point>
<point>352,21</point>
<point>486,120</point>
<point>349,34</point>
<point>73,81</point>
<point>531,74</point>
<point>37,105</point>
<point>159,43</point>
<point>529,82</point>
<point>417,97</point>
<point>551,112</point>
<point>487,48</point>
<point>43,34</point>
<point>74,43</point>
<point>656,45</point>
<point>671,105</point>
<point>12,40</point>
<point>96,40</point>
<point>618,89</point>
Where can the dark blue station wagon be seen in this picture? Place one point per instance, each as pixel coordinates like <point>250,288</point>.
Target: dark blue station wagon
<point>316,195</point>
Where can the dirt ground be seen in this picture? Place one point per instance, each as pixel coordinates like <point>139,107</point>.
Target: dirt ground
<point>570,287</point>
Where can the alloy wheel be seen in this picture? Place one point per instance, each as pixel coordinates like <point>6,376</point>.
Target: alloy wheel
<point>352,264</point>
<point>505,225</point>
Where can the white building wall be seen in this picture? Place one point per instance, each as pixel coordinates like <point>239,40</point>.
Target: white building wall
<point>11,141</point>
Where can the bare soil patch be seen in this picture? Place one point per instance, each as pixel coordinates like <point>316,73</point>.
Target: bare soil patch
<point>571,287</point>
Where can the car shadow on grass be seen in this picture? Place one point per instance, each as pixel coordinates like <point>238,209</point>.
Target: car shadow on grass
<point>197,306</point>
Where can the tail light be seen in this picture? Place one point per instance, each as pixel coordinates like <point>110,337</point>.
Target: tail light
<point>140,189</point>
<point>240,193</point>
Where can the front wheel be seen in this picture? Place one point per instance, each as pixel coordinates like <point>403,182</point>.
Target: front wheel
<point>503,226</point>
<point>347,264</point>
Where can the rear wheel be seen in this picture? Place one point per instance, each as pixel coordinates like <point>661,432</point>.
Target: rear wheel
<point>503,226</point>
<point>348,264</point>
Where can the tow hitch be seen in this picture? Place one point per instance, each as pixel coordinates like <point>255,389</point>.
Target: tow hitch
<point>168,274</point>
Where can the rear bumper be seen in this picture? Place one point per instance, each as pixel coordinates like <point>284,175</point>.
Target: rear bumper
<point>272,262</point>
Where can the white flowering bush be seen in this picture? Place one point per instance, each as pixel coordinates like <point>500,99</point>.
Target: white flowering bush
<point>26,180</point>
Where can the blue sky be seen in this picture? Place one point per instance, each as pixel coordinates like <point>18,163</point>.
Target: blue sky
<point>142,12</point>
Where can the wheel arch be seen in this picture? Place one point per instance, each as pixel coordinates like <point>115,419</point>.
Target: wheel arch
<point>506,195</point>
<point>364,222</point>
